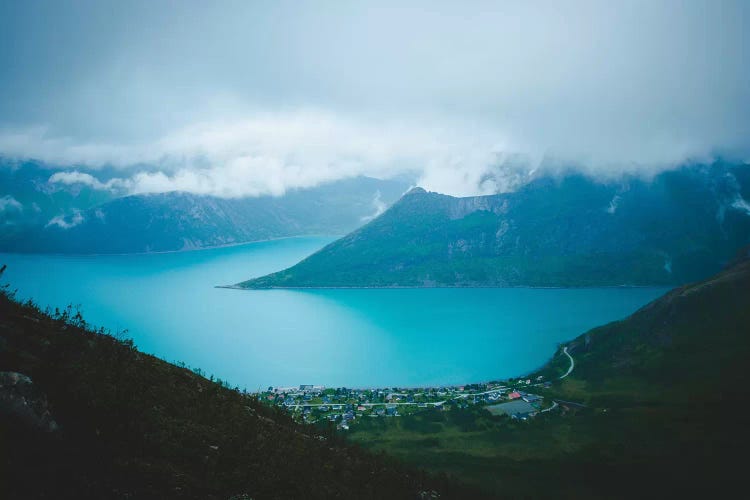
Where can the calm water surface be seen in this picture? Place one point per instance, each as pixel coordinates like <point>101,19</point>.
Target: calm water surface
<point>354,338</point>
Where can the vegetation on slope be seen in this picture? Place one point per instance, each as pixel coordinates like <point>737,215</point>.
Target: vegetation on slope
<point>665,395</point>
<point>112,422</point>
<point>568,231</point>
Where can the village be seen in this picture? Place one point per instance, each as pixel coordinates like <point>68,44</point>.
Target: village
<point>343,406</point>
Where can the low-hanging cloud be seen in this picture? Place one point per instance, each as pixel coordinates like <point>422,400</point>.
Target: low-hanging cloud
<point>75,177</point>
<point>64,221</point>
<point>272,153</point>
<point>466,97</point>
<point>9,204</point>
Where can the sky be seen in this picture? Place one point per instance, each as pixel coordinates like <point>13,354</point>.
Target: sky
<point>247,98</point>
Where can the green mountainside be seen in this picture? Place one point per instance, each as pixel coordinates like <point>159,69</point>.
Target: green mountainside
<point>654,407</point>
<point>85,415</point>
<point>570,230</point>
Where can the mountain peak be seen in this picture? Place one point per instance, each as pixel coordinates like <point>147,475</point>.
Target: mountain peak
<point>416,190</point>
<point>547,234</point>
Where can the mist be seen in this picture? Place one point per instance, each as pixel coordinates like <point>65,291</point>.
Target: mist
<point>243,99</point>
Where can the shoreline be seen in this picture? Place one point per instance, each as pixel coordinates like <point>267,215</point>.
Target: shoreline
<point>181,250</point>
<point>561,349</point>
<point>442,287</point>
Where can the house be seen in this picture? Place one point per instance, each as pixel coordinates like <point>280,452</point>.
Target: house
<point>518,409</point>
<point>531,398</point>
<point>361,408</point>
<point>514,395</point>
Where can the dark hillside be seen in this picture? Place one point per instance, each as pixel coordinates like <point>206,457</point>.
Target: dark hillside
<point>85,415</point>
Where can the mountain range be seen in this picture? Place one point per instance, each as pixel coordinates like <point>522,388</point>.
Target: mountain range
<point>557,230</point>
<point>44,217</point>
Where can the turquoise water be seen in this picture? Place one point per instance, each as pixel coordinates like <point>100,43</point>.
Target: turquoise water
<point>354,338</point>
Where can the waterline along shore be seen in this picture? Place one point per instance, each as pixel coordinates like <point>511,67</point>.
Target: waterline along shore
<point>343,406</point>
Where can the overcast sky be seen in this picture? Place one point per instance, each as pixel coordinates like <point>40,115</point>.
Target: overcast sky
<point>236,98</point>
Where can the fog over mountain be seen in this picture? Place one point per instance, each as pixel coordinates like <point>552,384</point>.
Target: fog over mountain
<point>76,213</point>
<point>245,99</point>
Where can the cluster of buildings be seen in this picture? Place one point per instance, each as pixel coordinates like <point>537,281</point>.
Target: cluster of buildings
<point>314,403</point>
<point>520,405</point>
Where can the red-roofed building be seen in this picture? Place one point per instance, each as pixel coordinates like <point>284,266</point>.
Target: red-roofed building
<point>514,395</point>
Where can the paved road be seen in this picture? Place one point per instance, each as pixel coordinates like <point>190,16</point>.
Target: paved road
<point>554,405</point>
<point>572,363</point>
<point>491,391</point>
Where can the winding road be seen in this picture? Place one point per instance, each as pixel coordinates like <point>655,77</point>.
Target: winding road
<point>572,362</point>
<point>554,405</point>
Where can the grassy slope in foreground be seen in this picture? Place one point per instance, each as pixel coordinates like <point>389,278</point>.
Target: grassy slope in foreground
<point>133,426</point>
<point>571,231</point>
<point>666,393</point>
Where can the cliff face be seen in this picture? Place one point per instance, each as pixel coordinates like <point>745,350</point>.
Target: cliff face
<point>461,207</point>
<point>566,231</point>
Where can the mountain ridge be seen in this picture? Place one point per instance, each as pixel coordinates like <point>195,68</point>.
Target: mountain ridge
<point>567,231</point>
<point>178,220</point>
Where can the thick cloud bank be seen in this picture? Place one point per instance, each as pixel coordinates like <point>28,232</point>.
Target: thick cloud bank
<point>273,152</point>
<point>244,99</point>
